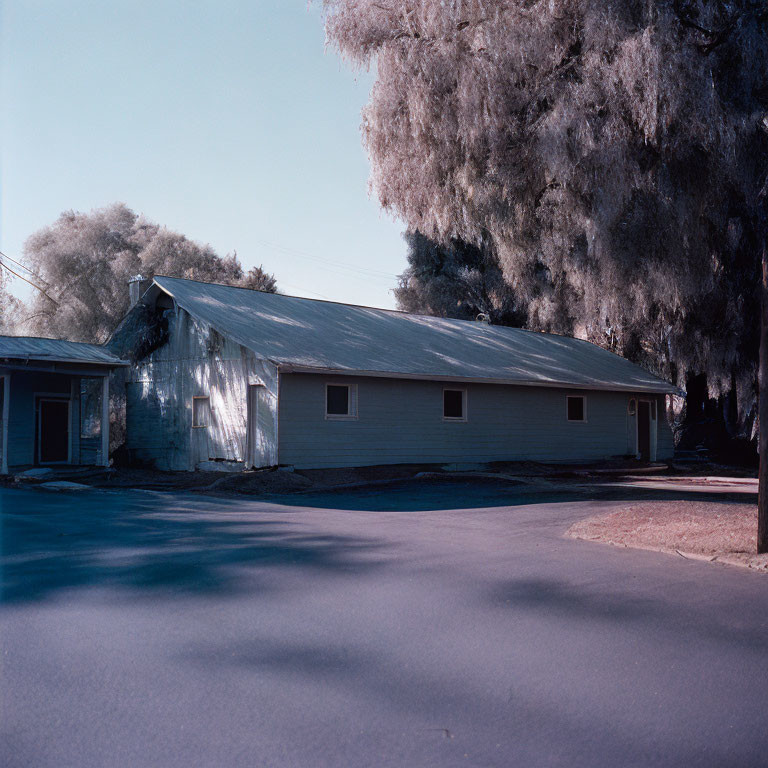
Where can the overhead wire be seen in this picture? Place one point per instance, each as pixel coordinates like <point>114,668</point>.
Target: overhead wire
<point>330,263</point>
<point>21,277</point>
<point>18,263</point>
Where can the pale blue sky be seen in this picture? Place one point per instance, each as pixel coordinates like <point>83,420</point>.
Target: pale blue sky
<point>225,120</point>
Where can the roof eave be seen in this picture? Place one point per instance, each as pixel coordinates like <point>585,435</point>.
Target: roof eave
<point>67,360</point>
<point>662,389</point>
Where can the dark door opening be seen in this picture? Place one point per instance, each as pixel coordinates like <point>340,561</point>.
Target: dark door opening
<point>53,432</point>
<point>644,430</point>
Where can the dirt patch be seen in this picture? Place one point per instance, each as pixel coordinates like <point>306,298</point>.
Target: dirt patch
<point>717,532</point>
<point>153,479</point>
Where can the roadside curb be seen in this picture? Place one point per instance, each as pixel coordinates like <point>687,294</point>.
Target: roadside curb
<point>724,559</point>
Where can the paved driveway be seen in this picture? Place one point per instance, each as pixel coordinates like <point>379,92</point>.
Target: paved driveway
<point>418,625</point>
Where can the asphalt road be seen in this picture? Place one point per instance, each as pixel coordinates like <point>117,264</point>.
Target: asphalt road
<point>416,625</point>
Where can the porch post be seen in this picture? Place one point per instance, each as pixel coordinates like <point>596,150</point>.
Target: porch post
<point>6,414</point>
<point>105,421</point>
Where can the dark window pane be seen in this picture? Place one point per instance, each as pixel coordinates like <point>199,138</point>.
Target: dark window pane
<point>575,409</point>
<point>337,400</point>
<point>453,404</point>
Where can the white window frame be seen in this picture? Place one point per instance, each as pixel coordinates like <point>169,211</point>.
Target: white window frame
<point>352,410</point>
<point>200,397</point>
<point>576,421</point>
<point>464,402</point>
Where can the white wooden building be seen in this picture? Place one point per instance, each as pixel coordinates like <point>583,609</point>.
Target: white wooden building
<point>257,379</point>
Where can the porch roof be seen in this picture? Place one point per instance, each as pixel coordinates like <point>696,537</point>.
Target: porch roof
<point>32,349</point>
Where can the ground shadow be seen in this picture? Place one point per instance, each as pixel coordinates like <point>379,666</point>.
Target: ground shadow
<point>598,604</point>
<point>428,496</point>
<point>151,543</point>
<point>461,493</point>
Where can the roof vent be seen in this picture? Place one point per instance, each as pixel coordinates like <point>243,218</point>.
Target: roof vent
<point>483,317</point>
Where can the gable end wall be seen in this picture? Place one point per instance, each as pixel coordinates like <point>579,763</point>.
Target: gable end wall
<point>195,361</point>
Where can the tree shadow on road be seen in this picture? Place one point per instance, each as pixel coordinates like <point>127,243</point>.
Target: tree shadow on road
<point>462,493</point>
<point>429,496</point>
<point>155,543</point>
<point>602,604</point>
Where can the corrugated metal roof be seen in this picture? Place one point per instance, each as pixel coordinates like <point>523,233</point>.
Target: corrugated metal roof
<point>311,335</point>
<point>55,351</point>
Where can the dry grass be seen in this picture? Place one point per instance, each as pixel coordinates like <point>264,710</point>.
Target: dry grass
<point>722,532</point>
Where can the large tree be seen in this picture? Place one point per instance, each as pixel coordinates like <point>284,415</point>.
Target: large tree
<point>84,260</point>
<point>457,280</point>
<point>611,154</point>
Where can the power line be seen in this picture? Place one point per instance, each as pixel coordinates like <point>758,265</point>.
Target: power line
<point>21,277</point>
<point>305,290</point>
<point>18,263</point>
<point>327,262</point>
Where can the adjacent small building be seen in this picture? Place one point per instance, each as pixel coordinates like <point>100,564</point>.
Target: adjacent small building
<point>54,402</point>
<point>253,379</point>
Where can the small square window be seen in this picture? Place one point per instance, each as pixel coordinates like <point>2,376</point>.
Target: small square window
<point>201,411</point>
<point>340,401</point>
<point>455,404</point>
<point>577,408</point>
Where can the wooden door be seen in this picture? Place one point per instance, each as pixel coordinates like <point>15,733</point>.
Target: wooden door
<point>260,450</point>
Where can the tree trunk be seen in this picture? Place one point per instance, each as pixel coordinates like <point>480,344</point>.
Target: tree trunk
<point>762,498</point>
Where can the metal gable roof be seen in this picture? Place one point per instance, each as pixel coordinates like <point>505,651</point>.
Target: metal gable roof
<point>309,335</point>
<point>55,351</point>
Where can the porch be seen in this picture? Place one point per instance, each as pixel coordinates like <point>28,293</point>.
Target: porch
<point>54,410</point>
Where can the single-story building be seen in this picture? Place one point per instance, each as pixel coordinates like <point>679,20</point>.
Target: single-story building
<point>258,379</point>
<point>54,402</point>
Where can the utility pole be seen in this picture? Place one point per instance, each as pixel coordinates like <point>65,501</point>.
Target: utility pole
<point>762,496</point>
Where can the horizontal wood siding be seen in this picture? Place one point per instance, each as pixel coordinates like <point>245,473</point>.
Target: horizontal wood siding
<point>402,422</point>
<point>90,450</point>
<point>21,417</point>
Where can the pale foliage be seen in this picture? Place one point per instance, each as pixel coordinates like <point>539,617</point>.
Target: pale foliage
<point>9,306</point>
<point>609,153</point>
<point>85,260</point>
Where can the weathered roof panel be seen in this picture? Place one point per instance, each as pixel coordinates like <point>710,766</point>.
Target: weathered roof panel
<point>311,335</point>
<point>55,351</point>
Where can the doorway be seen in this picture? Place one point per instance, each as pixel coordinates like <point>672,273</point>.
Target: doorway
<point>53,431</point>
<point>261,447</point>
<point>644,430</point>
